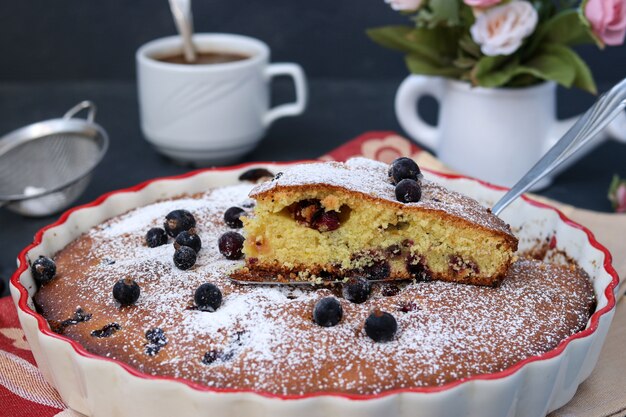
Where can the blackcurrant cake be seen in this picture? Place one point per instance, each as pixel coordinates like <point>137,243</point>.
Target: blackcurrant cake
<point>335,219</point>
<point>151,288</point>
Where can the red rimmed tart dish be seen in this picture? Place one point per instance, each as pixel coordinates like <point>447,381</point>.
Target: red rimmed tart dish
<point>129,310</point>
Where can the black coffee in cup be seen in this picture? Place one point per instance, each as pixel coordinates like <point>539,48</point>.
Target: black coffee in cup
<point>204,58</point>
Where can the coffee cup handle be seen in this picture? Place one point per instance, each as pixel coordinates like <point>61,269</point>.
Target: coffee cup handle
<point>289,109</point>
<point>410,91</point>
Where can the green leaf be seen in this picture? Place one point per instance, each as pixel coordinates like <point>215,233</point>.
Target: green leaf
<point>442,42</point>
<point>468,45</point>
<point>429,51</point>
<point>523,80</point>
<point>466,15</point>
<point>439,12</point>
<point>392,37</point>
<point>464,62</point>
<point>545,9</point>
<point>422,43</point>
<point>567,28</point>
<point>552,62</point>
<point>494,71</point>
<point>417,65</point>
<point>582,77</point>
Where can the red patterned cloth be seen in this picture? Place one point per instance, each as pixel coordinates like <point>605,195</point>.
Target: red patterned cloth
<point>382,146</point>
<point>23,390</point>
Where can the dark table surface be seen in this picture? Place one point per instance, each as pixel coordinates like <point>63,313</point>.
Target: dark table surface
<point>338,111</point>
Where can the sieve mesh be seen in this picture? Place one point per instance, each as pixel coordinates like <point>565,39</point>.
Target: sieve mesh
<point>47,162</point>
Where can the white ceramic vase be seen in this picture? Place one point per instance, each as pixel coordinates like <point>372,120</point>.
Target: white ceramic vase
<point>495,134</point>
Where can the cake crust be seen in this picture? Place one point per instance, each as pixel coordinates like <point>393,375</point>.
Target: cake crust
<point>363,185</point>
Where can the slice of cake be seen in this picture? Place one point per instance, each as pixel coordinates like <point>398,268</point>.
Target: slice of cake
<point>332,220</point>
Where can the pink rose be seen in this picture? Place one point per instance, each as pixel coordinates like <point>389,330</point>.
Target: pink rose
<point>482,4</point>
<point>617,194</point>
<point>501,30</point>
<point>607,19</point>
<point>404,4</point>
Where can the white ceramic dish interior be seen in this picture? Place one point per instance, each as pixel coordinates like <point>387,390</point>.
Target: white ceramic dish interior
<point>97,386</point>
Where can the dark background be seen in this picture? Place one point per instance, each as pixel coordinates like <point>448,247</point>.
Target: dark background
<point>56,53</point>
<point>96,40</point>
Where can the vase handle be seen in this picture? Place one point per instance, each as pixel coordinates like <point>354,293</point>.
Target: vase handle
<point>410,91</point>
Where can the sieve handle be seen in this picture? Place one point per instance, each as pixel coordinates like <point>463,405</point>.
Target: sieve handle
<point>86,104</point>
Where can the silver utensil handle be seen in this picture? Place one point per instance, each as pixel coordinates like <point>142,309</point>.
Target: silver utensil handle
<point>586,128</point>
<point>86,104</point>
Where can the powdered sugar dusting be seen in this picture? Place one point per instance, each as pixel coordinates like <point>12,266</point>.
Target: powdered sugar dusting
<point>263,338</point>
<point>370,177</point>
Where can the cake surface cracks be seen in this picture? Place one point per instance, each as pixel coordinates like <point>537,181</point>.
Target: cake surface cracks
<point>263,338</point>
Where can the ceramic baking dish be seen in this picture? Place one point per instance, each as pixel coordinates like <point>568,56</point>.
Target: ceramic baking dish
<point>98,386</point>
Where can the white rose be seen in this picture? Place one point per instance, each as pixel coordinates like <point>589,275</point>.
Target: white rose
<point>404,4</point>
<point>501,29</point>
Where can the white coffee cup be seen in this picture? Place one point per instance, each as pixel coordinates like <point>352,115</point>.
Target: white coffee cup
<point>213,113</point>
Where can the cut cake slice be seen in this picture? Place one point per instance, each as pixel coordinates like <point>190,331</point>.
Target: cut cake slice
<point>331,220</point>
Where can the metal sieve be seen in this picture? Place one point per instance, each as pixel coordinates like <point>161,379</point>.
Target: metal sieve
<point>45,166</point>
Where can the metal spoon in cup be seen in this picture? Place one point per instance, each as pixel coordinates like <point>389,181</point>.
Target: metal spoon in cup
<point>181,10</point>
